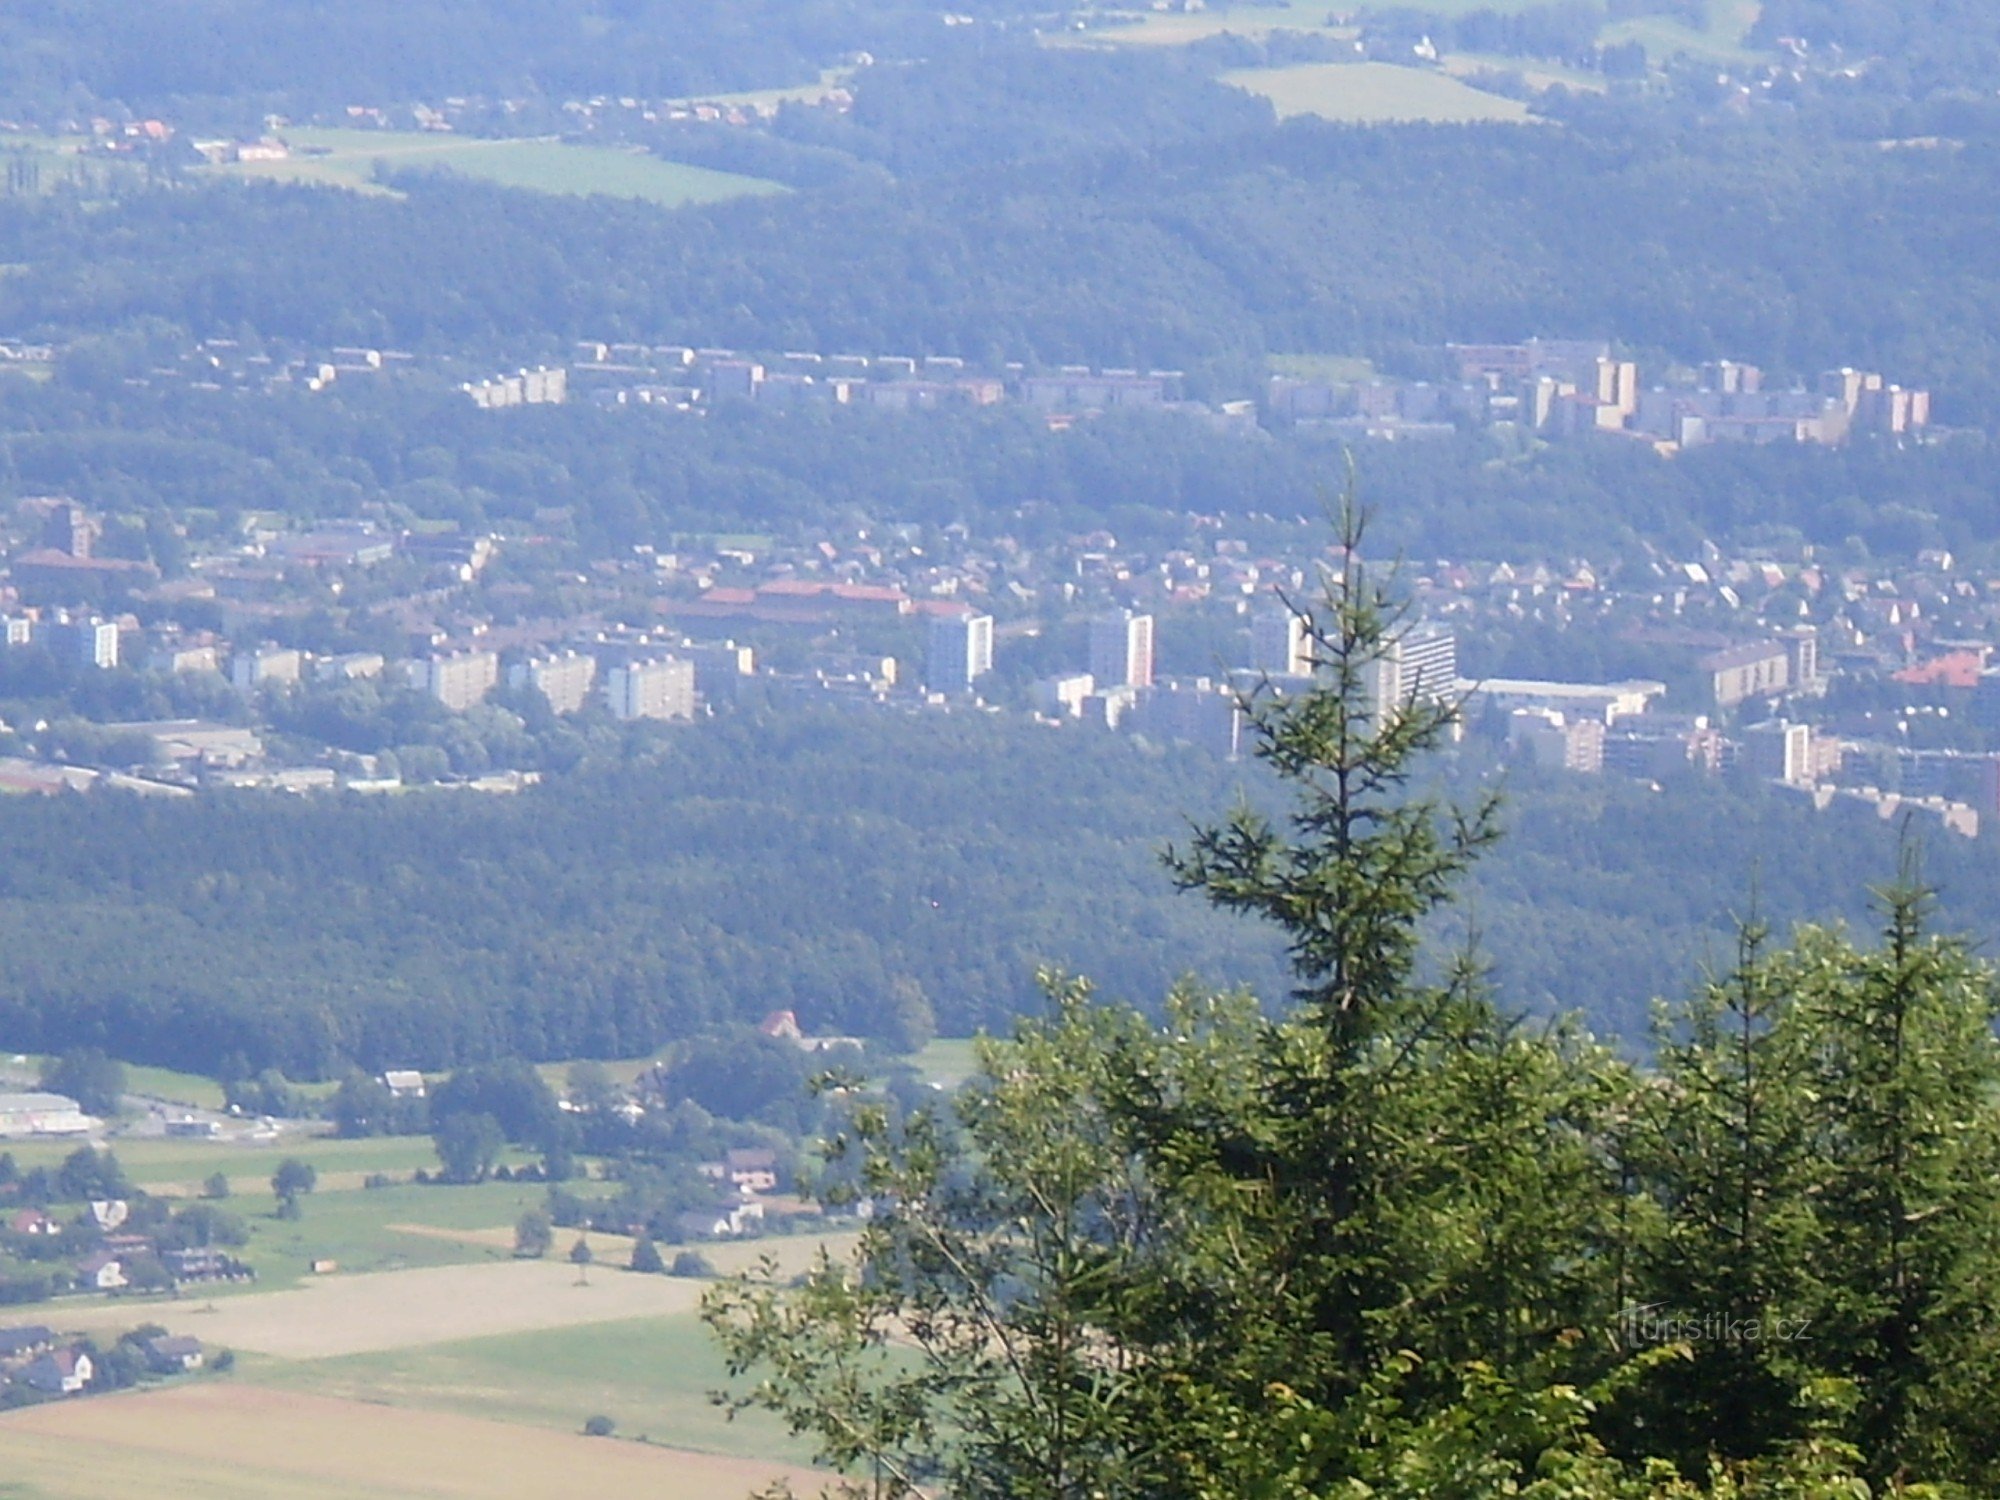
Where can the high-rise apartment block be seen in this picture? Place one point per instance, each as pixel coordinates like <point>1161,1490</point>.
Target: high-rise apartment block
<point>1779,751</point>
<point>1121,650</point>
<point>1420,665</point>
<point>719,669</point>
<point>662,689</point>
<point>266,665</point>
<point>1280,644</point>
<point>91,641</point>
<point>1196,712</point>
<point>958,653</point>
<point>1801,658</point>
<point>564,679</point>
<point>1426,658</point>
<point>459,680</point>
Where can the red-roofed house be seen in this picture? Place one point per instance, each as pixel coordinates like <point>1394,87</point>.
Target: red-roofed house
<point>1955,669</point>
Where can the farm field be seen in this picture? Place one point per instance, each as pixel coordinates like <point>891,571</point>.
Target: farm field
<point>342,1314</point>
<point>347,158</point>
<point>651,1376</point>
<point>1371,93</point>
<point>1174,28</point>
<point>793,1254</point>
<point>231,1441</point>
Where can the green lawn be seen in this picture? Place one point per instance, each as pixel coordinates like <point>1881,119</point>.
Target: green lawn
<point>347,158</point>
<point>651,1376</point>
<point>1370,93</point>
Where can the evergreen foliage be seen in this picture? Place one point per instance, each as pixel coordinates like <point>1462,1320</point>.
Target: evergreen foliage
<point>1390,1242</point>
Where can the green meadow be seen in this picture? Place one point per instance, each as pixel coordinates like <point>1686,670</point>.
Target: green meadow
<point>652,1376</point>
<point>350,159</point>
<point>1372,93</point>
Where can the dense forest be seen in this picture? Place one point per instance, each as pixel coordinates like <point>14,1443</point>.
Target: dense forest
<point>812,863</point>
<point>223,58</point>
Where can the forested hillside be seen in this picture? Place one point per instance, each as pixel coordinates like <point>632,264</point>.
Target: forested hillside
<point>1793,254</point>
<point>228,55</point>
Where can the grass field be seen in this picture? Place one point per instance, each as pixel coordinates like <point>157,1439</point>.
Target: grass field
<point>65,161</point>
<point>1372,93</point>
<point>1168,29</point>
<point>1146,28</point>
<point>652,1376</point>
<point>228,1440</point>
<point>798,93</point>
<point>1722,39</point>
<point>347,158</point>
<point>623,1071</point>
<point>176,1088</point>
<point>387,1229</point>
<point>183,1165</point>
<point>949,1060</point>
<point>1725,39</point>
<point>1537,75</point>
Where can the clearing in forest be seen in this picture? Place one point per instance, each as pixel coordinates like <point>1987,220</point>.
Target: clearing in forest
<point>1375,93</point>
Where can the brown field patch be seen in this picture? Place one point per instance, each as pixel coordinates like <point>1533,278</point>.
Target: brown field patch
<point>793,1253</point>
<point>222,1441</point>
<point>403,1309</point>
